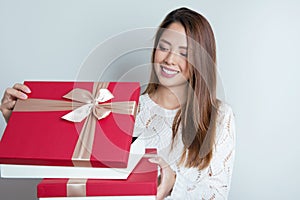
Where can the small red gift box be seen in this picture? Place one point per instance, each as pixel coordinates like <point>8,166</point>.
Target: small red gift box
<point>72,124</point>
<point>141,184</point>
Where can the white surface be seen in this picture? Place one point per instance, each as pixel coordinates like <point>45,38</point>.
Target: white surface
<point>137,150</point>
<point>258,58</point>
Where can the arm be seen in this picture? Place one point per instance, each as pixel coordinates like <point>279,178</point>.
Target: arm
<point>18,91</point>
<point>214,181</point>
<point>168,177</point>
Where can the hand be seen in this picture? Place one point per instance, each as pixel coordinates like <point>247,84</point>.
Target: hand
<point>168,177</point>
<point>10,97</point>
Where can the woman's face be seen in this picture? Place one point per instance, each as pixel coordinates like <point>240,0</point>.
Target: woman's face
<point>170,58</point>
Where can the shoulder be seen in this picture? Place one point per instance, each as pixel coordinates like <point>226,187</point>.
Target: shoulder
<point>224,107</point>
<point>224,111</point>
<point>145,106</point>
<point>143,100</point>
<point>225,121</point>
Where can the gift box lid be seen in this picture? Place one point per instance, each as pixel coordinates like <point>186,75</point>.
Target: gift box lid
<point>37,134</point>
<point>141,182</point>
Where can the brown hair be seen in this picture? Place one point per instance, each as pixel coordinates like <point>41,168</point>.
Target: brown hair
<point>197,115</point>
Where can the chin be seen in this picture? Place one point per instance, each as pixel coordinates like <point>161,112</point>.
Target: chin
<point>172,83</point>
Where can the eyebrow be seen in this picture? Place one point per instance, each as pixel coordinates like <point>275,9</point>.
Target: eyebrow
<point>169,43</point>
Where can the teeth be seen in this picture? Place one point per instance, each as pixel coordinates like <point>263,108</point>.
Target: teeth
<point>169,71</point>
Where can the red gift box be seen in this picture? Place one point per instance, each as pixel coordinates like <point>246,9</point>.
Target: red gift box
<point>142,182</point>
<point>42,137</point>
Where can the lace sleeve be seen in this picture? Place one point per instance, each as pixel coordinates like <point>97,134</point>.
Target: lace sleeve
<point>212,182</point>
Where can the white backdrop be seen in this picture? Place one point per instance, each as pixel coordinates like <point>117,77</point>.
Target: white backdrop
<point>258,59</point>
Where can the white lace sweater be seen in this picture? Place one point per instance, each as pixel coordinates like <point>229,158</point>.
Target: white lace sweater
<point>153,124</point>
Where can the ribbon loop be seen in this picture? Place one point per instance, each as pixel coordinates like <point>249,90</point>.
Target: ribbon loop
<point>104,95</point>
<point>100,111</point>
<point>80,95</point>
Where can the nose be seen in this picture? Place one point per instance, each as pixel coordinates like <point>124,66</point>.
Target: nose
<point>171,58</point>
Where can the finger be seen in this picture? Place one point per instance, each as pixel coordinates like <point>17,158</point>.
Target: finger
<point>149,155</point>
<point>158,160</point>
<point>22,87</point>
<point>14,94</point>
<point>153,160</point>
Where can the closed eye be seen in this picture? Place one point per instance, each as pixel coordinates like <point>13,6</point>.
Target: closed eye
<point>162,48</point>
<point>183,54</point>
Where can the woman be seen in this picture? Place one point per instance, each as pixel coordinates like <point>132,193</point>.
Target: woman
<point>179,113</point>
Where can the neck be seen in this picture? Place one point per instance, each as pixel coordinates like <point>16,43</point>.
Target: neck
<point>169,98</point>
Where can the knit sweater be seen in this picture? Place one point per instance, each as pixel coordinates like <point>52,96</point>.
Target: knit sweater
<point>154,125</point>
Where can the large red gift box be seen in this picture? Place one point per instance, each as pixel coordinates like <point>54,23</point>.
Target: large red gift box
<point>141,184</point>
<point>38,135</point>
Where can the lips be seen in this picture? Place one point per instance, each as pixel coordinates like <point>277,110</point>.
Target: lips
<point>167,72</point>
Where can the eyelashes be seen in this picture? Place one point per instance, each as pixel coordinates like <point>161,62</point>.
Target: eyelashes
<point>162,48</point>
<point>184,54</point>
<point>166,49</point>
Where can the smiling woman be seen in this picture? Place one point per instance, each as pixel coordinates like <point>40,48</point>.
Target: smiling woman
<point>179,113</point>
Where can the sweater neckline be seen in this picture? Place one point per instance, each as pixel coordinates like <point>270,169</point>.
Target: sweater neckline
<point>152,104</point>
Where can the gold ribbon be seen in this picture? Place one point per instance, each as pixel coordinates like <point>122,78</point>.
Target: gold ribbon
<point>76,188</point>
<point>84,105</point>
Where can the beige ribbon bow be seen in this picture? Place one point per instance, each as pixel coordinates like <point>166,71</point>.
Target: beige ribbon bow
<point>91,104</point>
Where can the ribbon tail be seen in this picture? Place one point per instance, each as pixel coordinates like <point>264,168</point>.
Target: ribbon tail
<point>84,146</point>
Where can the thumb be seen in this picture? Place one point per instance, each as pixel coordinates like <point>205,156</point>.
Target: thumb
<point>8,105</point>
<point>158,160</point>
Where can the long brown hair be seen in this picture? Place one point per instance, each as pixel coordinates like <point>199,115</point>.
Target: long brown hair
<point>197,115</point>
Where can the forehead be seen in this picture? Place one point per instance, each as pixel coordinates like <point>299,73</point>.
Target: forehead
<point>175,34</point>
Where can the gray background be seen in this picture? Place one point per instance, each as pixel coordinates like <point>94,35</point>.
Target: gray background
<point>258,59</point>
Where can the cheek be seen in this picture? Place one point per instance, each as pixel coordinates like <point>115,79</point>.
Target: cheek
<point>185,69</point>
<point>158,56</point>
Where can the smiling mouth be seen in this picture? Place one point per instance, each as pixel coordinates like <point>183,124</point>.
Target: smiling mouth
<point>169,71</point>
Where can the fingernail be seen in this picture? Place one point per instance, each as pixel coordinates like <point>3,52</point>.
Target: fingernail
<point>28,90</point>
<point>24,96</point>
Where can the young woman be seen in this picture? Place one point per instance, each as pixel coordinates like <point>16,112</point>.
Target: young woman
<point>179,113</point>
